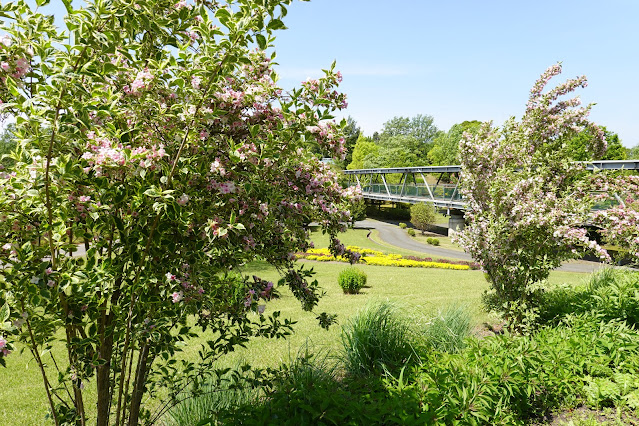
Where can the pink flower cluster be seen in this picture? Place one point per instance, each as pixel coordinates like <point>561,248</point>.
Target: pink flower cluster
<point>142,81</point>
<point>188,290</point>
<point>102,152</point>
<point>4,349</point>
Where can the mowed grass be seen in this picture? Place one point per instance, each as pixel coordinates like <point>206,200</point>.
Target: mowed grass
<point>421,291</point>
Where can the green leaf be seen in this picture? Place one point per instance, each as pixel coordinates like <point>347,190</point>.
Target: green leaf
<point>261,41</point>
<point>67,4</point>
<point>276,24</point>
<point>4,312</point>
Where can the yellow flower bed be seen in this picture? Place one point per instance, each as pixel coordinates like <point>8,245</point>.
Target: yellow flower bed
<point>408,263</point>
<point>373,257</point>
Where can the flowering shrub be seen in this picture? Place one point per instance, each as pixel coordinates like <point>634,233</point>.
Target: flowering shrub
<point>5,347</point>
<point>526,201</point>
<point>169,149</point>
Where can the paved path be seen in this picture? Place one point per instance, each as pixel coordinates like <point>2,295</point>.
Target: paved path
<point>394,235</point>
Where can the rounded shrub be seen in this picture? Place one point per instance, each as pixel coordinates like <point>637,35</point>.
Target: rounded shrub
<point>351,280</point>
<point>432,241</point>
<point>411,232</point>
<point>402,225</point>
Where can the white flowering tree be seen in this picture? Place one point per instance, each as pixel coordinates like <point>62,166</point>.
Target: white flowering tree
<point>155,135</point>
<point>527,202</point>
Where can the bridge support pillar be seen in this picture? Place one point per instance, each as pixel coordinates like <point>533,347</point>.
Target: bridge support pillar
<point>456,222</point>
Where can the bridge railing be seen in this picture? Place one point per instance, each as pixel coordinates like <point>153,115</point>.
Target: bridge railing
<point>442,191</point>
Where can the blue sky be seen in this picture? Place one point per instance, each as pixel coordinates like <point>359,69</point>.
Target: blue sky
<point>465,60</point>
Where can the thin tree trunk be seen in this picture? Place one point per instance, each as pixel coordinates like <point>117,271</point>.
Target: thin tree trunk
<point>105,352</point>
<point>104,370</point>
<point>138,387</point>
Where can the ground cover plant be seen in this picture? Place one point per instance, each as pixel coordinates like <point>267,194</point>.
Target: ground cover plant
<point>375,257</point>
<point>169,149</point>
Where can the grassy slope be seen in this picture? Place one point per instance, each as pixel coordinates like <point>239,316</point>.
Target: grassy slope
<point>23,401</point>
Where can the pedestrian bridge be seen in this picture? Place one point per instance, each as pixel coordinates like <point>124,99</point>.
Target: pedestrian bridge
<point>413,186</point>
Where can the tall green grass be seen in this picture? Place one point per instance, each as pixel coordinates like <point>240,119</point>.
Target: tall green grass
<point>378,338</point>
<point>448,331</point>
<point>212,400</point>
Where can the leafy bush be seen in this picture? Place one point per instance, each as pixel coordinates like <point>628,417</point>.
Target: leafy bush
<point>402,225</point>
<point>610,294</point>
<point>411,232</point>
<point>432,241</point>
<point>498,380</point>
<point>378,339</point>
<point>358,209</point>
<point>507,380</point>
<point>448,331</point>
<point>352,280</point>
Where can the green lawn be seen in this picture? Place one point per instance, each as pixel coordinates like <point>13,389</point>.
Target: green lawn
<point>422,291</point>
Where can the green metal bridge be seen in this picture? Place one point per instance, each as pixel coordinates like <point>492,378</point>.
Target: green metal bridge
<point>413,187</point>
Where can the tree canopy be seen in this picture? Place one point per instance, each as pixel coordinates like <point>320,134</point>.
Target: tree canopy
<point>446,144</point>
<point>580,146</point>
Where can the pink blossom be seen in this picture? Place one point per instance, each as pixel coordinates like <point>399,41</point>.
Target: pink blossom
<point>177,296</point>
<point>183,200</point>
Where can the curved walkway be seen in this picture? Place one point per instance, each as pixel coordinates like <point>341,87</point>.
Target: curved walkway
<point>394,235</point>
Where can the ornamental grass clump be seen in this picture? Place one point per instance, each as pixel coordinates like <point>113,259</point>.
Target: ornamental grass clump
<point>352,280</point>
<point>448,331</point>
<point>378,339</point>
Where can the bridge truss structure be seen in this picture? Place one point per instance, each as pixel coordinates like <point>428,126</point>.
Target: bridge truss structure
<point>413,186</point>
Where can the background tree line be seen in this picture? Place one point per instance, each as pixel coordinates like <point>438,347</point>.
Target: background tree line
<point>416,141</point>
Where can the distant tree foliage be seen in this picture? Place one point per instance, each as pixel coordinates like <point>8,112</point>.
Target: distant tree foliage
<point>445,145</point>
<point>351,135</point>
<point>364,148</point>
<point>632,153</point>
<point>422,216</point>
<point>420,129</point>
<point>579,146</point>
<point>396,151</point>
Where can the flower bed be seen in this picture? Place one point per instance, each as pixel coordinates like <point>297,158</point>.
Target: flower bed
<point>374,257</point>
